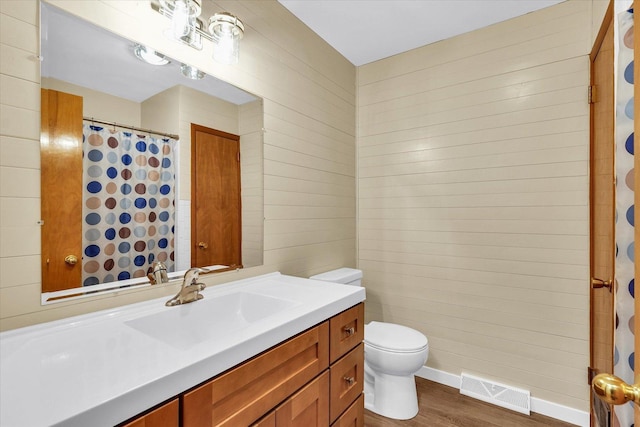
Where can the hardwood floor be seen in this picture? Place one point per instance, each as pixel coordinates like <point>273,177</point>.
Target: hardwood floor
<point>442,406</point>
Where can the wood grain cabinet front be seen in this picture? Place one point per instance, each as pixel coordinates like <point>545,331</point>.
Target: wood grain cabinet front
<point>244,394</point>
<point>309,407</point>
<point>352,417</point>
<point>347,380</point>
<point>313,379</point>
<point>166,415</point>
<point>268,420</point>
<point>347,331</point>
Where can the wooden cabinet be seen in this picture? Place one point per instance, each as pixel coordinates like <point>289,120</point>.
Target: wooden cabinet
<point>347,380</point>
<point>309,407</point>
<point>163,416</point>
<point>244,394</point>
<point>352,417</point>
<point>346,350</point>
<point>347,331</point>
<point>314,379</point>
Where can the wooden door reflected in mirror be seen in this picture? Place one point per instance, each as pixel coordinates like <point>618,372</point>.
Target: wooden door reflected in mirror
<point>61,189</point>
<point>216,212</point>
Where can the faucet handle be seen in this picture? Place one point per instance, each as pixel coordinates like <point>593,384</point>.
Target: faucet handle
<point>190,276</point>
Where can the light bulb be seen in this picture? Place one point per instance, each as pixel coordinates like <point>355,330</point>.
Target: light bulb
<point>226,30</point>
<point>180,25</point>
<point>226,49</point>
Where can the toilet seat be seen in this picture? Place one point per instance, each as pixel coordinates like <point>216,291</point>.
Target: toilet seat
<point>394,338</point>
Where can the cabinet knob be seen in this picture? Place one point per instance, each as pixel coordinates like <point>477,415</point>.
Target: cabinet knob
<point>71,259</point>
<point>349,331</point>
<point>349,380</point>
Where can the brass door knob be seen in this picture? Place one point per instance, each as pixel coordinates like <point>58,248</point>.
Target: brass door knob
<point>203,245</point>
<point>71,259</point>
<point>614,391</point>
<point>599,283</point>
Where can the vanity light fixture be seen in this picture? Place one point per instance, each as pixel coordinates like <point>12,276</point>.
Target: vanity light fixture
<point>183,16</point>
<point>227,30</point>
<point>149,56</point>
<point>224,29</point>
<point>191,72</point>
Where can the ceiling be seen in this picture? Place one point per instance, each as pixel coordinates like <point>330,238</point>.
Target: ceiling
<point>75,51</point>
<point>364,31</point>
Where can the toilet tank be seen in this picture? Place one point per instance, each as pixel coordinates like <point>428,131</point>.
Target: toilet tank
<point>347,276</point>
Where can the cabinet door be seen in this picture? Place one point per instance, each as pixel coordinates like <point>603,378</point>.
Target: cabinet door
<point>309,407</point>
<point>346,331</point>
<point>164,416</point>
<point>244,394</point>
<point>352,417</point>
<point>268,421</point>
<point>347,380</point>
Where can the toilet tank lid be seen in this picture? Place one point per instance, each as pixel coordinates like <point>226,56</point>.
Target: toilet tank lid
<point>341,275</point>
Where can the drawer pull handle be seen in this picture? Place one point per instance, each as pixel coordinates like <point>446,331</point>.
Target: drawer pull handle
<point>349,331</point>
<point>349,380</point>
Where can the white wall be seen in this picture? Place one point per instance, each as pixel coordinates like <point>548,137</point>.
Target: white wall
<point>473,221</point>
<point>251,122</point>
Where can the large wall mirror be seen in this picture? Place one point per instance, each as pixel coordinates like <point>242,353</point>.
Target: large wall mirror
<point>141,164</point>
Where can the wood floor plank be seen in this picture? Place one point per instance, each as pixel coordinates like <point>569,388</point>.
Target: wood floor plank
<point>442,406</point>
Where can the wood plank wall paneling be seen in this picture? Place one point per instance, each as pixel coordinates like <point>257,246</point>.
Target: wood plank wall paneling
<point>473,213</point>
<point>308,91</point>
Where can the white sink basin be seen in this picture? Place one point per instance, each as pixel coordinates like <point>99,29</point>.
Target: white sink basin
<point>213,317</point>
<point>114,364</point>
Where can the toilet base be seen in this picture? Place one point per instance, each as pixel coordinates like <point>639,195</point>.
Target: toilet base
<point>391,396</point>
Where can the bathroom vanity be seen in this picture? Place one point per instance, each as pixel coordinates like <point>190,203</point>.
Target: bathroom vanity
<point>268,351</point>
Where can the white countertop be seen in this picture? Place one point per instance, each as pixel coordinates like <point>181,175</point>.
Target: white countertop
<point>97,370</point>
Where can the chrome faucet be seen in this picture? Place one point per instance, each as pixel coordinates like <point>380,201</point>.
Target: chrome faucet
<point>190,290</point>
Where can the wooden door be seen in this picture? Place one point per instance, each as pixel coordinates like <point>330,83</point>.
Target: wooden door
<point>61,190</point>
<point>610,388</point>
<point>215,198</point>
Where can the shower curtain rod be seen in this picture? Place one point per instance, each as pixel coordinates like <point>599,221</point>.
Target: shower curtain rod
<point>114,124</point>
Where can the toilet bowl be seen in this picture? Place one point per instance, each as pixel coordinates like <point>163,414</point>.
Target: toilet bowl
<point>392,355</point>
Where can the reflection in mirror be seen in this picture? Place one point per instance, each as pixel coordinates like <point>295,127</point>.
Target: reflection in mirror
<point>140,163</point>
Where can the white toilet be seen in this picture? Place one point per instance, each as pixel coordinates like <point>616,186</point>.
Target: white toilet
<point>392,355</point>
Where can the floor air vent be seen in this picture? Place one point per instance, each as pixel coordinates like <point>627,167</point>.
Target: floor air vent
<point>498,394</point>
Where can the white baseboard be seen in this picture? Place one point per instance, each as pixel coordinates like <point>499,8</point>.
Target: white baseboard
<point>539,406</point>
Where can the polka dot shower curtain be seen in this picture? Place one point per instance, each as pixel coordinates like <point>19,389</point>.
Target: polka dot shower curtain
<point>129,206</point>
<point>624,264</point>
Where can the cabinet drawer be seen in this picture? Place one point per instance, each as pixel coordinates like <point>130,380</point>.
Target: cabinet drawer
<point>309,407</point>
<point>242,395</point>
<point>346,331</point>
<point>347,380</point>
<point>352,417</point>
